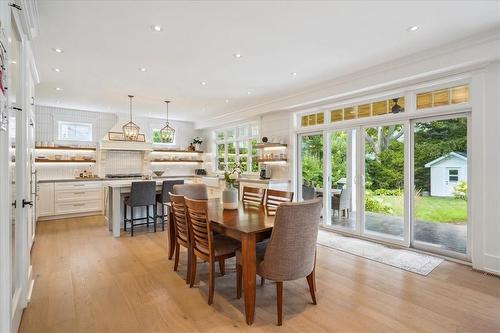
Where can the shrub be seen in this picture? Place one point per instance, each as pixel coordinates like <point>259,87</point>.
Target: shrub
<point>376,204</point>
<point>388,192</point>
<point>460,191</point>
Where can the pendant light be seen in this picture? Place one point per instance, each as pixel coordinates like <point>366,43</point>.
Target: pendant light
<point>167,133</point>
<point>130,129</point>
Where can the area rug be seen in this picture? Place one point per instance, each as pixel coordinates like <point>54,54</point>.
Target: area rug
<point>404,259</point>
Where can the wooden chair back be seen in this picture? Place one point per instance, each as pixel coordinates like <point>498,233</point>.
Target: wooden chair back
<point>199,226</point>
<point>253,195</point>
<point>274,198</point>
<point>179,217</point>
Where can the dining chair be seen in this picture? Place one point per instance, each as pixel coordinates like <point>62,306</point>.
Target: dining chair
<point>205,245</point>
<point>253,195</point>
<point>142,194</point>
<point>342,203</point>
<point>181,230</point>
<point>162,198</point>
<point>193,191</point>
<point>274,198</point>
<point>290,253</point>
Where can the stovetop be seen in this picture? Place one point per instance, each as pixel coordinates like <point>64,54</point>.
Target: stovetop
<point>124,175</point>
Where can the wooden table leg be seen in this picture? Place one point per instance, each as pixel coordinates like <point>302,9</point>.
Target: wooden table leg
<point>249,271</point>
<point>171,234</point>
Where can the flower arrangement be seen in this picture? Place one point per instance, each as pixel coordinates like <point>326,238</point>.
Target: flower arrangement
<point>197,141</point>
<point>232,174</point>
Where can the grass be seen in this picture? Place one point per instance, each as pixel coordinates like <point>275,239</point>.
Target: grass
<point>432,209</point>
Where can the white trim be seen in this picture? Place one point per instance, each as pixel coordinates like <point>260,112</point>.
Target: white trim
<point>439,159</point>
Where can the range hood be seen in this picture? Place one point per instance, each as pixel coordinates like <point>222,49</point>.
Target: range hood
<point>125,145</point>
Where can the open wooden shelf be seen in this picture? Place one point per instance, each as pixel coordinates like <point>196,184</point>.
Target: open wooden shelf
<point>270,145</point>
<point>177,161</point>
<point>42,160</point>
<point>264,160</point>
<point>66,148</point>
<point>177,151</point>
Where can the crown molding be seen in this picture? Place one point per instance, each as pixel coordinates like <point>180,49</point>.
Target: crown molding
<point>472,52</point>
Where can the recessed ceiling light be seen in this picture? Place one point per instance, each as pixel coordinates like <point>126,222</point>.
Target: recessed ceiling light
<point>58,70</point>
<point>237,55</point>
<point>249,92</point>
<point>293,74</point>
<point>58,89</point>
<point>413,28</point>
<point>227,101</point>
<point>57,50</point>
<point>156,28</point>
<point>142,69</point>
<point>9,40</point>
<point>13,62</point>
<point>203,83</point>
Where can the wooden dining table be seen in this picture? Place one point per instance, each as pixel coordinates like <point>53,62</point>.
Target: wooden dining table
<point>249,224</point>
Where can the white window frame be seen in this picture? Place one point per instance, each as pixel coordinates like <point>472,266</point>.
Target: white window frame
<point>450,175</point>
<point>60,123</point>
<point>236,139</point>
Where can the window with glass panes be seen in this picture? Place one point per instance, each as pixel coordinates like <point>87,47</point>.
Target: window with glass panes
<point>237,144</point>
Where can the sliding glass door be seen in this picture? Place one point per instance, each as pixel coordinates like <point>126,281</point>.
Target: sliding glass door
<point>310,166</point>
<point>440,181</point>
<point>384,182</point>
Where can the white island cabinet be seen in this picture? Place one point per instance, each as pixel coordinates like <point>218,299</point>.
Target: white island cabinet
<point>45,200</point>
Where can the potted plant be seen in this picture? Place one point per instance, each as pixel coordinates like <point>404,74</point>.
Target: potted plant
<point>230,193</point>
<point>197,143</point>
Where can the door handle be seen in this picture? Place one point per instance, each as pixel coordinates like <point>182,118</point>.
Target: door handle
<point>25,203</point>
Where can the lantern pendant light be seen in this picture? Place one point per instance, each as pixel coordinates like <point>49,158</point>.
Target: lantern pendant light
<point>167,133</point>
<point>130,129</point>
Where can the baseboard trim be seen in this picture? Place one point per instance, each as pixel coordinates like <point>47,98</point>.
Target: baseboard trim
<point>68,216</point>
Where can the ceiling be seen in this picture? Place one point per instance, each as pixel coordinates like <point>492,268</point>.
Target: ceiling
<point>105,43</point>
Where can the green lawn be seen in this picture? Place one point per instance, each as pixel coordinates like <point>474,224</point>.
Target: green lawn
<point>432,209</point>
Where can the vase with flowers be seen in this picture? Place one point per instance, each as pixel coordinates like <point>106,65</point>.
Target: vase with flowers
<point>197,141</point>
<point>230,193</point>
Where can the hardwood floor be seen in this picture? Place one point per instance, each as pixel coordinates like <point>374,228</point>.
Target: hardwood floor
<point>88,281</point>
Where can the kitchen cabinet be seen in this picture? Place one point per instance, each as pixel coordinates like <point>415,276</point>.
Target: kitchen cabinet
<point>45,199</point>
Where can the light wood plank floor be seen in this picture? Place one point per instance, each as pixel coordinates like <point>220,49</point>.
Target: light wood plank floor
<point>88,281</point>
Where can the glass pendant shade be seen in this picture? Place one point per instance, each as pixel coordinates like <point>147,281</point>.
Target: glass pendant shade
<point>130,129</point>
<point>167,133</point>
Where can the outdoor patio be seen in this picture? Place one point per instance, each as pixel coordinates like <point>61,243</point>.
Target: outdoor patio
<point>447,236</point>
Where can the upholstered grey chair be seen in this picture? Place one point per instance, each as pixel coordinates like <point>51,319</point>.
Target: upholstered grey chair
<point>342,204</point>
<point>142,194</point>
<point>290,254</point>
<point>192,191</point>
<point>164,197</point>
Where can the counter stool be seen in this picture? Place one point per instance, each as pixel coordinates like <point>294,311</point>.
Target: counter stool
<point>143,194</point>
<point>164,197</point>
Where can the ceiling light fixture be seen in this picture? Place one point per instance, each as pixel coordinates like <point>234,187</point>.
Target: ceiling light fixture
<point>142,69</point>
<point>156,28</point>
<point>167,133</point>
<point>249,92</point>
<point>58,89</point>
<point>413,28</point>
<point>130,129</point>
<point>293,74</point>
<point>57,50</point>
<point>237,55</point>
<point>13,62</point>
<point>57,70</point>
<point>203,83</point>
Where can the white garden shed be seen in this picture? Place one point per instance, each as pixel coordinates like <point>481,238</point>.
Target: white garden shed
<point>446,172</point>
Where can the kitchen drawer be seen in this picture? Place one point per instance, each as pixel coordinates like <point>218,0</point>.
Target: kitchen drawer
<point>77,185</point>
<point>78,207</point>
<point>78,195</point>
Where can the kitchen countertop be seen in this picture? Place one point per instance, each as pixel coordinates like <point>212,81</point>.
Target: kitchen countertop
<point>241,179</point>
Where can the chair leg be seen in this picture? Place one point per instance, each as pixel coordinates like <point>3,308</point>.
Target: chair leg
<point>147,217</point>
<point>262,281</point>
<point>211,282</point>
<point>154,216</point>
<point>132,221</point>
<point>162,217</point>
<point>193,270</point>
<point>239,280</point>
<point>310,281</point>
<point>188,269</point>
<point>279,302</point>
<point>222,267</point>
<point>176,260</point>
<point>125,218</point>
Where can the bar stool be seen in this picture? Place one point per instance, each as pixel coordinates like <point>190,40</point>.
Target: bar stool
<point>164,197</point>
<point>142,194</point>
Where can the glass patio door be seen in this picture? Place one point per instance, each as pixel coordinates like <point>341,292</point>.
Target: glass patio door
<point>440,182</point>
<point>341,190</point>
<point>384,206</point>
<point>310,166</point>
